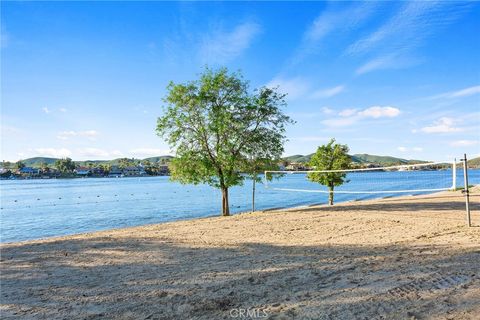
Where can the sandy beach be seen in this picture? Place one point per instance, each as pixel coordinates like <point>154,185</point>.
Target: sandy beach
<point>397,258</point>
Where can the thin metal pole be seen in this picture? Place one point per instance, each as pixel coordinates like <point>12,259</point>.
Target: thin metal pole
<point>454,169</point>
<point>465,190</point>
<point>253,195</point>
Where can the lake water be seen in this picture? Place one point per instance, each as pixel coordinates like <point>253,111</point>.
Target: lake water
<point>33,209</point>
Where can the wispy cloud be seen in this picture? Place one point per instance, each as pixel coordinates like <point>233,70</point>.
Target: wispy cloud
<point>98,153</point>
<point>461,93</point>
<point>410,26</point>
<point>149,152</point>
<point>327,110</point>
<point>406,149</point>
<point>46,110</point>
<point>351,116</point>
<point>464,143</point>
<point>348,112</point>
<point>53,152</point>
<point>393,43</point>
<point>223,46</point>
<point>379,112</point>
<point>390,61</point>
<point>327,93</point>
<point>442,125</point>
<point>89,134</point>
<point>332,22</point>
<point>62,110</point>
<point>294,87</point>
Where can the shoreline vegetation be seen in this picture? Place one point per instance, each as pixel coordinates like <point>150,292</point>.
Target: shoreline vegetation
<point>45,168</point>
<point>309,257</point>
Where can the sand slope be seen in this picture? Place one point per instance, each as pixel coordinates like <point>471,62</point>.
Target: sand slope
<point>410,257</point>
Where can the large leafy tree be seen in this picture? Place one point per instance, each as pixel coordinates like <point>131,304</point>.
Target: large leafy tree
<point>213,123</point>
<point>331,156</point>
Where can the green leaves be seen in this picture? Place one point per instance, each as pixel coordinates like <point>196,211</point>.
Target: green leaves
<point>217,127</point>
<point>331,156</point>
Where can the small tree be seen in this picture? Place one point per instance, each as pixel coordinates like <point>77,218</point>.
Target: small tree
<point>19,165</point>
<point>125,162</point>
<point>213,122</point>
<point>331,156</point>
<point>65,165</point>
<point>44,167</point>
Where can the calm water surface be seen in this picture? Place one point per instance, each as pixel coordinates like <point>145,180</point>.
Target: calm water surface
<point>32,209</point>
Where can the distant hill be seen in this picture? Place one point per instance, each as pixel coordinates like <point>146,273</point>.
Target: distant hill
<point>37,161</point>
<point>383,160</point>
<point>159,159</point>
<point>474,163</point>
<point>298,158</point>
<point>359,158</point>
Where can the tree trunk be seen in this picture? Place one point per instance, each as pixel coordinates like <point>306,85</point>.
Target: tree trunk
<point>225,206</point>
<point>330,196</point>
<point>253,196</point>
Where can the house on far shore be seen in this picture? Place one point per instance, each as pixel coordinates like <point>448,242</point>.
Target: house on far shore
<point>115,172</point>
<point>133,171</point>
<point>163,170</point>
<point>29,172</point>
<point>82,171</point>
<point>296,166</point>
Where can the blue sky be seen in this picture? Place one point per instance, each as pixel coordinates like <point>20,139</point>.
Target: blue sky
<point>86,79</point>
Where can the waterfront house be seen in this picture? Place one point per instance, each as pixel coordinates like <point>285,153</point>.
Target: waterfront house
<point>115,172</point>
<point>296,166</point>
<point>163,170</point>
<point>132,171</point>
<point>82,171</point>
<point>29,172</point>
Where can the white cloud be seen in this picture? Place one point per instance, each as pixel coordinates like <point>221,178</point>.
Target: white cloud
<point>380,112</point>
<point>222,47</point>
<point>149,152</point>
<point>327,110</point>
<point>342,122</point>
<point>347,112</point>
<point>414,149</point>
<point>52,152</point>
<point>464,143</point>
<point>327,93</point>
<point>93,152</point>
<point>99,153</point>
<point>442,125</point>
<point>351,116</point>
<point>294,87</point>
<point>62,110</point>
<point>46,110</point>
<point>89,134</point>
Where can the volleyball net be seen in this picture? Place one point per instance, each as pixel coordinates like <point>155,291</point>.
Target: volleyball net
<point>401,179</point>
